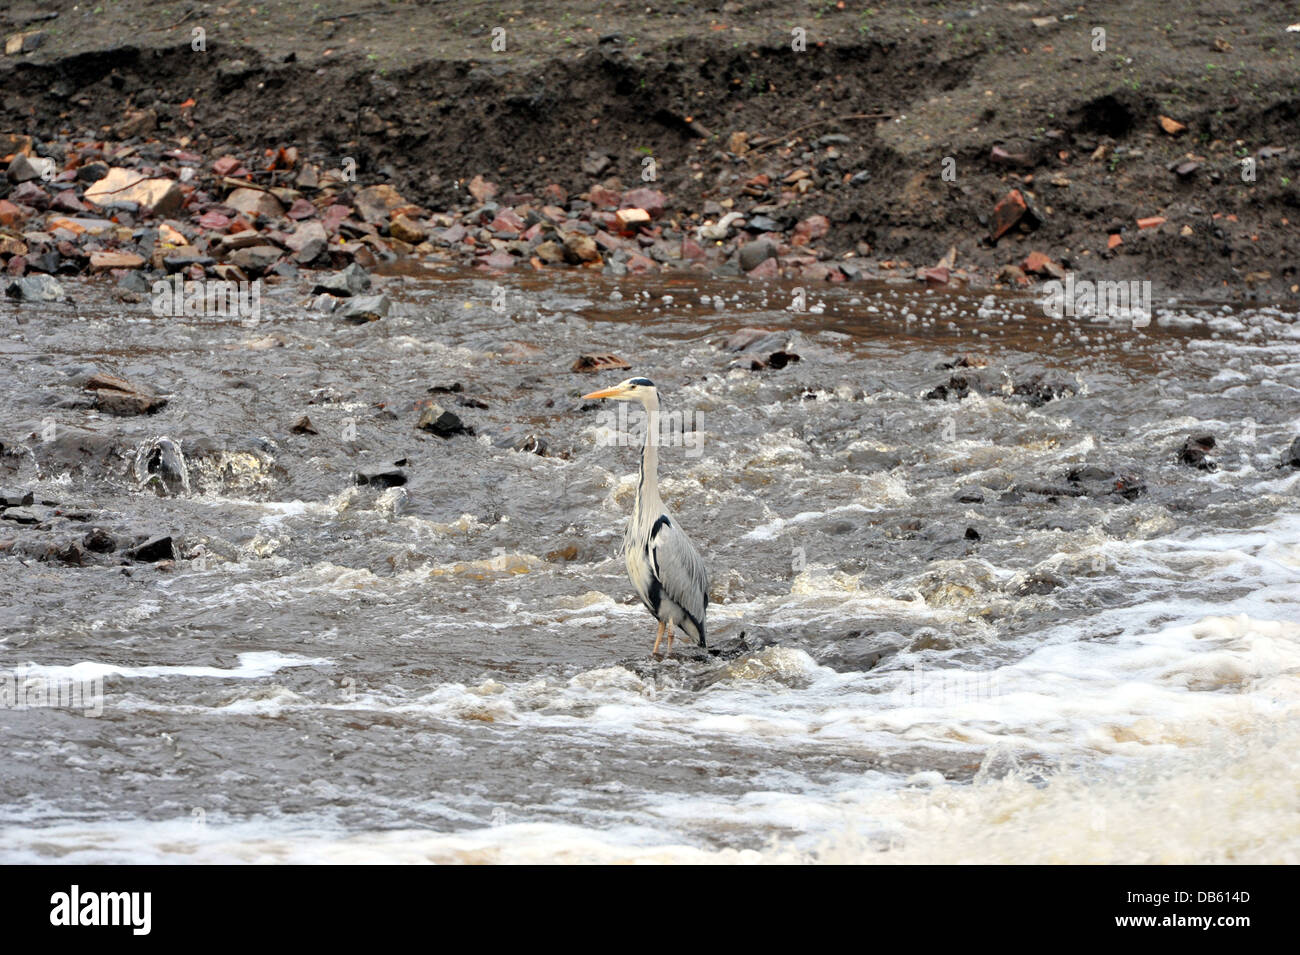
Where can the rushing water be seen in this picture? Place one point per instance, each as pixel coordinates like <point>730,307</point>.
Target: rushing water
<point>928,644</point>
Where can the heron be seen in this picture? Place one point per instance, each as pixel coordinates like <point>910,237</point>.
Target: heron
<point>666,570</point>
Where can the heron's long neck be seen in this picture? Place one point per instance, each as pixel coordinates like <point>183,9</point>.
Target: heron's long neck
<point>647,489</point>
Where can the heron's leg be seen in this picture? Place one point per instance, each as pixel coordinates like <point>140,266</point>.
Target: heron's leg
<point>669,626</point>
<point>659,636</point>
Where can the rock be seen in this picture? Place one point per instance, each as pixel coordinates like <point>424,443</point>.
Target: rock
<point>29,514</point>
<point>365,308</point>
<point>102,261</point>
<point>579,248</point>
<point>407,230</point>
<point>595,164</point>
<point>1195,452</point>
<point>255,202</point>
<point>18,43</point>
<point>482,190</point>
<point>969,495</point>
<point>30,194</point>
<point>587,363</point>
<point>1151,222</point>
<point>957,386</point>
<point>154,549</point>
<point>11,497</point>
<point>303,426</point>
<point>1038,390</point>
<point>1094,481</point>
<point>436,419</point>
<point>1172,126</point>
<point>754,254</point>
<point>628,219</point>
<point>24,169</point>
<point>160,197</point>
<point>99,541</point>
<point>36,288</point>
<point>376,203</point>
<point>117,396</point>
<point>767,269</point>
<point>651,201</point>
<point>255,259</point>
<point>1040,264</point>
<point>814,227</point>
<point>10,214</point>
<point>1008,213</point>
<point>602,198</point>
<point>1291,456</point>
<point>758,224</point>
<point>352,280</point>
<point>552,253</point>
<point>381,477</point>
<point>308,242</point>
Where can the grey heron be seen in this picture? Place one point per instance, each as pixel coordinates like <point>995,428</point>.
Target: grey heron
<point>666,570</point>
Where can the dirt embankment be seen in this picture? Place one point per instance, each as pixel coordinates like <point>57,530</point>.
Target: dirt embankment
<point>909,123</point>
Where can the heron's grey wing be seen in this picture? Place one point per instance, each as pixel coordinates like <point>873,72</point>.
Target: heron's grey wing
<point>681,571</point>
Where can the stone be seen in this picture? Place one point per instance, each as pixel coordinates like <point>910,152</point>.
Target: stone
<point>814,227</point>
<point>381,477</point>
<point>580,248</point>
<point>255,259</point>
<point>754,254</point>
<point>117,396</point>
<point>376,203</point>
<point>254,202</point>
<point>407,230</point>
<point>436,419</point>
<point>24,169</point>
<point>1195,452</point>
<point>308,241</point>
<point>594,362</point>
<point>651,200</point>
<point>99,541</point>
<point>630,218</point>
<point>481,189</point>
<point>365,308</point>
<point>160,197</point>
<point>102,261</point>
<point>154,549</point>
<point>1008,213</point>
<point>36,288</point>
<point>352,280</point>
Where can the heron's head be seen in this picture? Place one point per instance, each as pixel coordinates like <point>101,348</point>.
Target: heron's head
<point>634,389</point>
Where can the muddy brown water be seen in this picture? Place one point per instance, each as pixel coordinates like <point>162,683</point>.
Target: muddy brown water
<point>462,654</point>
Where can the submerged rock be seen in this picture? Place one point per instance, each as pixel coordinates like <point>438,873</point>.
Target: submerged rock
<point>1195,453</point>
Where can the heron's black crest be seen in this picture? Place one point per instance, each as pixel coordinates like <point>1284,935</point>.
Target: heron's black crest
<point>643,382</point>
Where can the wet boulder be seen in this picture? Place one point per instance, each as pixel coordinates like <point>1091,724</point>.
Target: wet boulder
<point>153,549</point>
<point>36,288</point>
<point>365,308</point>
<point>436,419</point>
<point>1291,456</point>
<point>381,477</point>
<point>352,280</point>
<point>1195,452</point>
<point>116,396</point>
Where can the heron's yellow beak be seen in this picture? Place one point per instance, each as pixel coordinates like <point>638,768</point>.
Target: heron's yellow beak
<point>606,393</point>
